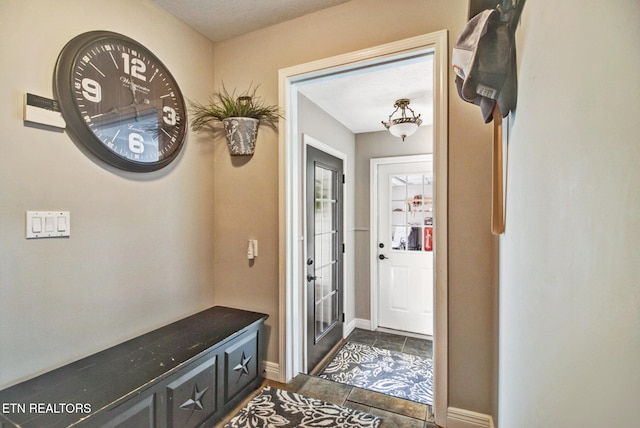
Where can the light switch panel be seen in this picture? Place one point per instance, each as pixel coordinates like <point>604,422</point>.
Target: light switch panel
<point>48,224</point>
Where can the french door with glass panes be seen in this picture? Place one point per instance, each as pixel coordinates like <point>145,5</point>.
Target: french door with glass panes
<point>324,264</point>
<point>405,247</point>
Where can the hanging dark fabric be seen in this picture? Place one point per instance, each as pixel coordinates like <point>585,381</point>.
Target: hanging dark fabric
<point>484,60</point>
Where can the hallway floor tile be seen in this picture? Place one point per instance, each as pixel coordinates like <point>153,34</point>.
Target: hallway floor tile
<point>395,412</point>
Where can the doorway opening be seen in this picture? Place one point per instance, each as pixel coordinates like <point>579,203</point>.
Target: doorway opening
<point>402,230</point>
<point>291,225</point>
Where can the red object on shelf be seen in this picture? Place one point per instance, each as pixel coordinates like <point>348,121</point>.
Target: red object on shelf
<point>428,239</point>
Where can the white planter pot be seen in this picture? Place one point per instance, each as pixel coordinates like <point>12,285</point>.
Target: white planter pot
<point>241,135</point>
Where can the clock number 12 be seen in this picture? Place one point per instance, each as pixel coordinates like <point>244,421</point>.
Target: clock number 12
<point>134,66</point>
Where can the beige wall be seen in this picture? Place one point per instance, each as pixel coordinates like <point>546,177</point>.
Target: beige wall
<point>140,253</point>
<point>570,259</point>
<point>252,200</point>
<point>569,316</point>
<point>62,299</point>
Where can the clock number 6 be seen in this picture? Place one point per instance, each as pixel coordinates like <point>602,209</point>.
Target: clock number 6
<point>136,143</point>
<point>91,90</point>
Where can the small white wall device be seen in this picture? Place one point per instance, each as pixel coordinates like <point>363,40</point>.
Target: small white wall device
<point>252,250</point>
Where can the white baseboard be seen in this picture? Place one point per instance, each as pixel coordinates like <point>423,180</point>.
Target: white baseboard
<point>461,418</point>
<point>348,328</point>
<point>363,324</point>
<point>271,370</point>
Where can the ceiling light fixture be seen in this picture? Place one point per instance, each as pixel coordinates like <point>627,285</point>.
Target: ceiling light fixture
<point>403,126</point>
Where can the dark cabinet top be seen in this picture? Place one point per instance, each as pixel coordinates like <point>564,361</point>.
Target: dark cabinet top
<point>101,379</point>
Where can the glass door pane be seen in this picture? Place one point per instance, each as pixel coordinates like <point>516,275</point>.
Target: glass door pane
<point>411,212</point>
<point>326,250</point>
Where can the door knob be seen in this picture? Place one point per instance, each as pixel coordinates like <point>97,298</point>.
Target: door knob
<point>382,257</point>
<point>311,277</point>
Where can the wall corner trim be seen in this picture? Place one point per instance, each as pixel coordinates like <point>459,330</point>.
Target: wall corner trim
<point>461,418</point>
<point>348,328</point>
<point>363,324</point>
<point>271,370</point>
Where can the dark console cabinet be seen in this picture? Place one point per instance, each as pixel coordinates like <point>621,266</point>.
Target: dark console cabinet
<point>187,374</point>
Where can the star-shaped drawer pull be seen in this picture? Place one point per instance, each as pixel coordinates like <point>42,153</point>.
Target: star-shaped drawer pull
<point>195,402</point>
<point>243,366</point>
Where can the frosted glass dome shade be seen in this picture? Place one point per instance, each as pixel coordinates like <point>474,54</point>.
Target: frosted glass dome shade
<point>403,129</point>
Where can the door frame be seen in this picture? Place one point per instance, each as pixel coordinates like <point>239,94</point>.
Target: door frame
<point>374,290</point>
<point>289,195</point>
<point>308,140</point>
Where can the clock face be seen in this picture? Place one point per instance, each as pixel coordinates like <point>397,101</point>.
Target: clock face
<point>120,101</point>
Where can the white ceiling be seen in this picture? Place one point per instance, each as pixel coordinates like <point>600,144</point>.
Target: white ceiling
<point>362,99</point>
<point>359,99</point>
<point>220,20</point>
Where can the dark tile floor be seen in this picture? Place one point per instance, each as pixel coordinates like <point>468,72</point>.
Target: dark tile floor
<point>393,342</point>
<point>395,412</point>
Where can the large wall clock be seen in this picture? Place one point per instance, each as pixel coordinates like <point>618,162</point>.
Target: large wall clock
<point>120,101</point>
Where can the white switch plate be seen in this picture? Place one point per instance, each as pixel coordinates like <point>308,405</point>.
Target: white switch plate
<point>252,249</point>
<point>48,224</point>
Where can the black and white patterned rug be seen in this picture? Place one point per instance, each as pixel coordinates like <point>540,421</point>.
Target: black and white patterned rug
<point>393,373</point>
<point>274,407</point>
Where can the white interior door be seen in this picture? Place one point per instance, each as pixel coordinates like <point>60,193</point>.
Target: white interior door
<point>405,246</point>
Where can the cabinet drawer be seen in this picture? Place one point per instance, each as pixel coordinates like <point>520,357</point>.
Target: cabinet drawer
<point>241,364</point>
<point>192,398</point>
<point>139,412</point>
